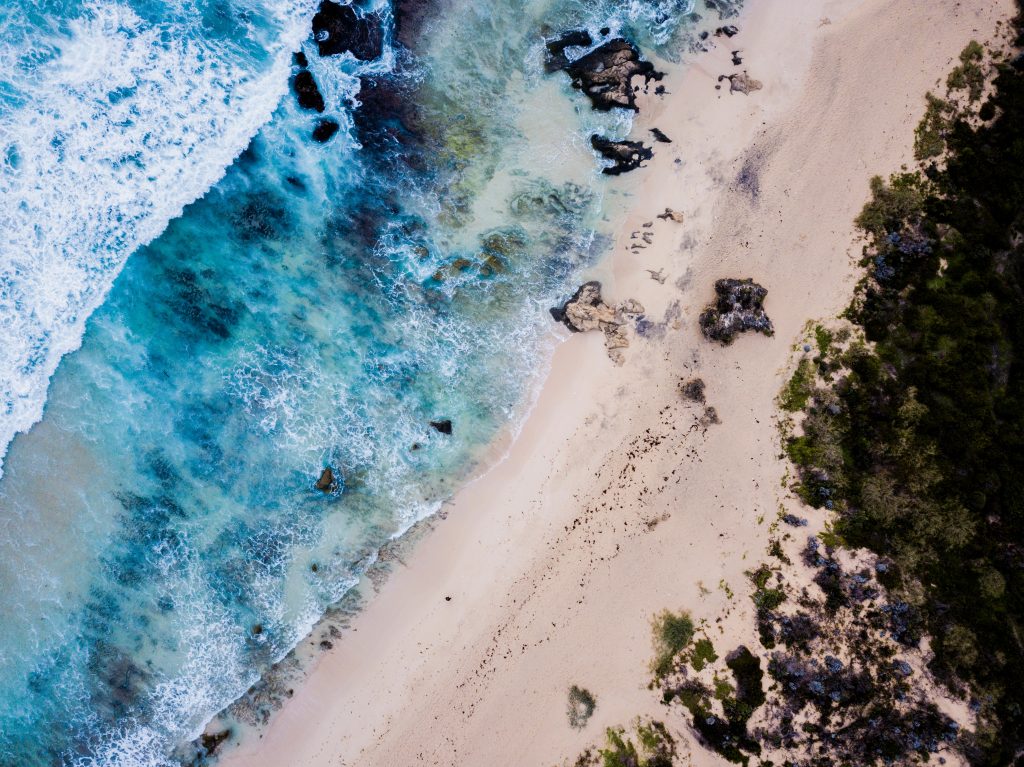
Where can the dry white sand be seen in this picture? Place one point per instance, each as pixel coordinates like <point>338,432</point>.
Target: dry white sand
<point>615,501</point>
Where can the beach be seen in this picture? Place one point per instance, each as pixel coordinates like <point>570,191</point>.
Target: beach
<point>618,498</point>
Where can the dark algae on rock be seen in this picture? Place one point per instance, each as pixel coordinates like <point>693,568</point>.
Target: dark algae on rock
<point>916,441</point>
<point>738,307</point>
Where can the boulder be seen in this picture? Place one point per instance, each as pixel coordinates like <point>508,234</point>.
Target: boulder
<point>338,28</point>
<point>307,92</point>
<point>324,130</point>
<point>445,426</point>
<point>606,75</point>
<point>739,307</point>
<point>742,83</point>
<point>626,155</point>
<point>327,483</point>
<point>586,311</point>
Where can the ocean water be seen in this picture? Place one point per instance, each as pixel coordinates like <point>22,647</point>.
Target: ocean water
<point>214,307</point>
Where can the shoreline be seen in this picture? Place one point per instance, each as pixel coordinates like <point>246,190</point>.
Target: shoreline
<point>575,537</point>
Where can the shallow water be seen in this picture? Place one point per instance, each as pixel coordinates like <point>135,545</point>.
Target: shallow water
<point>161,540</point>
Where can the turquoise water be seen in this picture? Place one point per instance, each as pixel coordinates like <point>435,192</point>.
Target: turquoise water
<point>161,539</point>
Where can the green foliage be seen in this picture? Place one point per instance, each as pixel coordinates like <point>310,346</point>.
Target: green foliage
<point>673,633</point>
<point>582,705</point>
<point>920,450</point>
<point>799,388</point>
<point>703,653</point>
<point>930,134</point>
<point>656,747</point>
<point>969,76</point>
<point>892,204</point>
<point>765,598</point>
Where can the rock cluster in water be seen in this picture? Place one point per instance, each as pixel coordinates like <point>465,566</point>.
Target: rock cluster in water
<point>587,310</point>
<point>739,307</point>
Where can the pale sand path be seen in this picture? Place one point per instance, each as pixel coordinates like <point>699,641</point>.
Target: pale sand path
<point>551,560</point>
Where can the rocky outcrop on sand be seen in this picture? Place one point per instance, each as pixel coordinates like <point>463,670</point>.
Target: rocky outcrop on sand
<point>625,155</point>
<point>606,74</point>
<point>742,83</point>
<point>739,307</point>
<point>659,136</point>
<point>587,310</point>
<point>338,28</point>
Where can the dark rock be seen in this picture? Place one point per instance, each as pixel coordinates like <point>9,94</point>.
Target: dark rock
<point>604,31</point>
<point>324,130</point>
<point>307,92</point>
<point>659,136</point>
<point>211,741</point>
<point>327,483</point>
<point>724,8</point>
<point>1018,62</point>
<point>729,30</point>
<point>556,59</point>
<point>627,155</point>
<point>338,28</point>
<point>693,389</point>
<point>606,75</point>
<point>739,307</point>
<point>445,426</point>
<point>736,59</point>
<point>326,644</point>
<point>299,59</point>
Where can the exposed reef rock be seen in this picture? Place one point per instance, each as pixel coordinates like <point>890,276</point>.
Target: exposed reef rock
<point>444,426</point>
<point>586,311</point>
<point>729,30</point>
<point>627,155</point>
<point>307,92</point>
<point>556,59</point>
<point>659,136</point>
<point>672,215</point>
<point>606,74</point>
<point>738,308</point>
<point>338,28</point>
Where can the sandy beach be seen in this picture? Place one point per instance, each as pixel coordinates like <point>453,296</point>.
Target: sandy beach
<point>619,498</point>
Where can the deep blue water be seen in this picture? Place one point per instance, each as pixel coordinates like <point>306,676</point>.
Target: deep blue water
<point>161,539</point>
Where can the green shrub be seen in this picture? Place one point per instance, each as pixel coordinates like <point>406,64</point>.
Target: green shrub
<point>582,705</point>
<point>673,633</point>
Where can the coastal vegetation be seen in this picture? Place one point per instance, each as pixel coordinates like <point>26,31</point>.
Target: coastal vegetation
<point>904,423</point>
<point>915,443</point>
<point>582,705</point>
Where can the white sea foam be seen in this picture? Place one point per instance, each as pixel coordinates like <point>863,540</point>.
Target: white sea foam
<point>116,127</point>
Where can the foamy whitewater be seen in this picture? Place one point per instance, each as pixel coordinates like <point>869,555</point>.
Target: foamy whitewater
<point>213,306</point>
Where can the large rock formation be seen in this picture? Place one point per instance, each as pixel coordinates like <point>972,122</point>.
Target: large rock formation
<point>556,59</point>
<point>627,155</point>
<point>606,74</point>
<point>737,309</point>
<point>586,311</point>
<point>338,28</point>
